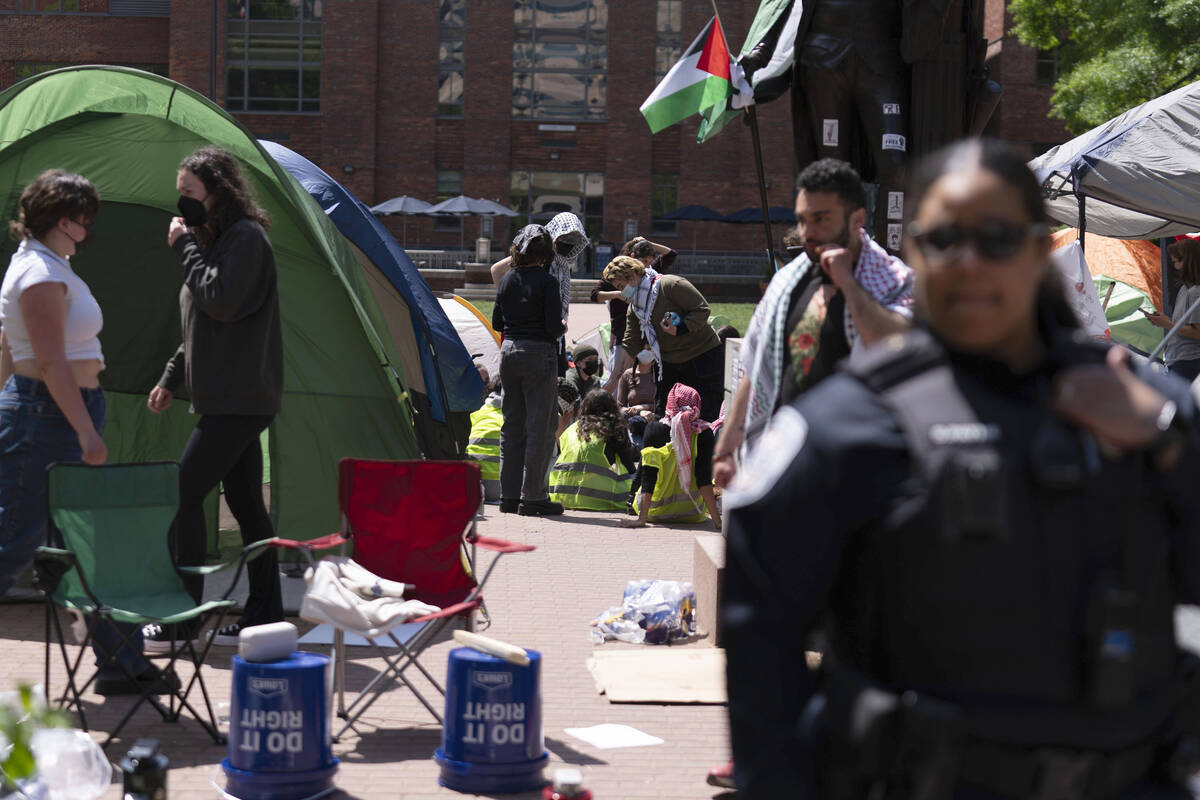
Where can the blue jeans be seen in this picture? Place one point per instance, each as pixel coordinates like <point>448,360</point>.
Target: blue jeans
<point>34,434</point>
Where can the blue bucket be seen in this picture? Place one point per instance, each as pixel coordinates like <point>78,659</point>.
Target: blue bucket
<point>279,729</point>
<point>492,740</point>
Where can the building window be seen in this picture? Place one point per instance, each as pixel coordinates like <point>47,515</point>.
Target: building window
<point>273,56</point>
<point>452,25</point>
<point>560,59</point>
<point>1046,68</point>
<point>668,31</point>
<point>449,184</point>
<point>538,196</point>
<point>43,6</point>
<point>27,69</point>
<point>664,198</point>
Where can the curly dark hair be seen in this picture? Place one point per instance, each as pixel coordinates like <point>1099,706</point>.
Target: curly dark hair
<point>221,175</point>
<point>51,196</point>
<point>638,249</point>
<point>600,416</point>
<point>833,176</point>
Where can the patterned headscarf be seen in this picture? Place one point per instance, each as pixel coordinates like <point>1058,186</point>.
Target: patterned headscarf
<point>566,227</point>
<point>683,415</point>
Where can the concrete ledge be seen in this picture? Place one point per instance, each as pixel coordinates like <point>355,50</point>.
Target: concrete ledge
<point>708,567</point>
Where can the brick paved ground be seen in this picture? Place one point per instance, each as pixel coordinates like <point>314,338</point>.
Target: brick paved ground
<point>541,600</point>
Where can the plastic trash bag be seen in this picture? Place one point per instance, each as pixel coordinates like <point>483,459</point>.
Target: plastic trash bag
<point>71,765</point>
<point>651,612</point>
<point>620,623</point>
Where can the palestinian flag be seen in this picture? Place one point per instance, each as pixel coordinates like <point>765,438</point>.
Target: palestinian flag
<point>699,80</point>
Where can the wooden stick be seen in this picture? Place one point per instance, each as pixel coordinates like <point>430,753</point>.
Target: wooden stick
<point>493,647</point>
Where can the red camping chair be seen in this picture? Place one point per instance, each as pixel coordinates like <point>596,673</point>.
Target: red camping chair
<point>410,521</point>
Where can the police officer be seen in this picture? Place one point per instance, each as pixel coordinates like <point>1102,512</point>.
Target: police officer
<point>988,526</point>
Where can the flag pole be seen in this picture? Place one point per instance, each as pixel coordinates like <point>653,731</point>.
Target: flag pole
<point>752,118</point>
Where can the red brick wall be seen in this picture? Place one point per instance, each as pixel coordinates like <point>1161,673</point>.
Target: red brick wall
<point>1023,114</point>
<point>379,100</point>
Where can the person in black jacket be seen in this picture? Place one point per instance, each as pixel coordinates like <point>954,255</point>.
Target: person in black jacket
<point>985,527</point>
<point>528,312</point>
<point>231,361</point>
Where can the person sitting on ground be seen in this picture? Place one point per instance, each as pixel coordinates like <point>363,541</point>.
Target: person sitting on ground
<point>676,471</point>
<point>637,390</point>
<point>596,459</point>
<point>585,375</point>
<point>483,445</point>
<point>568,407</point>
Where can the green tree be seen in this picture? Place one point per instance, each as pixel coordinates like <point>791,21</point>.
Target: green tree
<point>1113,54</point>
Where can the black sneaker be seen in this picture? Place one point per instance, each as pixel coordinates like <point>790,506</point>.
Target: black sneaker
<point>162,639</point>
<point>509,506</point>
<point>152,678</point>
<point>540,508</point>
<point>227,636</point>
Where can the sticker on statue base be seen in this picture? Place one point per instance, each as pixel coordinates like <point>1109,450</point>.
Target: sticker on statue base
<point>895,205</point>
<point>894,141</point>
<point>893,235</point>
<point>891,109</point>
<point>829,133</point>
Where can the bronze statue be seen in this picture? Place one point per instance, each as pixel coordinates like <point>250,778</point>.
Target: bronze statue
<point>874,82</point>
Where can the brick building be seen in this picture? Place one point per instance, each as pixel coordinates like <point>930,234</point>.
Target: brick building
<point>533,103</point>
<point>1028,76</point>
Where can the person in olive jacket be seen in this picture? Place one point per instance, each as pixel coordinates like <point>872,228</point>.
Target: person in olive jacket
<point>231,361</point>
<point>670,316</point>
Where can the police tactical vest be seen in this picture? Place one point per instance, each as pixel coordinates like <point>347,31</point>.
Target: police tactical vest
<point>1019,574</point>
<point>484,444</point>
<point>582,477</point>
<point>670,502</point>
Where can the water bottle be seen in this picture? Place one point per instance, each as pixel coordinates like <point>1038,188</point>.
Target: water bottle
<point>144,772</point>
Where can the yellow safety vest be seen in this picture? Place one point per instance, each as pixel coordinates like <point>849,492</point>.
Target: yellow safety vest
<point>669,502</point>
<point>582,477</point>
<point>484,443</point>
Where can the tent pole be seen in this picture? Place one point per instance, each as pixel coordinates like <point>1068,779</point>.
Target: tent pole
<point>1082,220</point>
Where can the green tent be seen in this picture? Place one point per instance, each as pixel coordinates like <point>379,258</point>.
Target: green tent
<point>344,385</point>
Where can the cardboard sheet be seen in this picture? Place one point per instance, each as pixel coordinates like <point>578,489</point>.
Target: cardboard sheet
<point>660,674</point>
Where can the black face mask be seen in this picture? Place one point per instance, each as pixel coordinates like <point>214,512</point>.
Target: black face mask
<point>192,210</point>
<point>87,239</point>
<point>589,368</point>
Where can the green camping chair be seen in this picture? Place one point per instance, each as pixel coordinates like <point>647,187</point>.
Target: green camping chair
<point>113,563</point>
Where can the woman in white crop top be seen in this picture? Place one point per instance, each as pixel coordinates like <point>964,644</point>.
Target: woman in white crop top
<point>51,405</point>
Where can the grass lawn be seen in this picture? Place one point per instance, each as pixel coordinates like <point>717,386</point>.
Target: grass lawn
<point>738,314</point>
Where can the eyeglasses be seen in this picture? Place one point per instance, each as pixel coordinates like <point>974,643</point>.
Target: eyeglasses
<point>994,241</point>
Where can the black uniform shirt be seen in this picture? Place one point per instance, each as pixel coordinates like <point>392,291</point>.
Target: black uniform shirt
<point>837,464</point>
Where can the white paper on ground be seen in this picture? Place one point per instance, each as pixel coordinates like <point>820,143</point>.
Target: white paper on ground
<point>323,634</point>
<point>610,735</point>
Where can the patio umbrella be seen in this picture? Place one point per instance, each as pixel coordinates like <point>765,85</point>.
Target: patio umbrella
<point>694,213</point>
<point>462,206</point>
<point>403,205</point>
<point>754,214</point>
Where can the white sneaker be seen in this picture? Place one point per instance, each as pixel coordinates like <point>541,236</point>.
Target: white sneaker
<point>157,639</point>
<point>227,636</point>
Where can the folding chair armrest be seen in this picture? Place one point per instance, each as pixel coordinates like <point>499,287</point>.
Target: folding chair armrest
<point>500,545</point>
<point>323,543</point>
<point>50,564</point>
<point>47,553</point>
<point>450,611</point>
<point>208,569</point>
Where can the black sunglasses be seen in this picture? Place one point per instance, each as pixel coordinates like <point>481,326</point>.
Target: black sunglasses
<point>994,241</point>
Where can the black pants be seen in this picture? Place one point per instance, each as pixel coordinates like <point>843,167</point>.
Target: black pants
<point>705,373</point>
<point>225,448</point>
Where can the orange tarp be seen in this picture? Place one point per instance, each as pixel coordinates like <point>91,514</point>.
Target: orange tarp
<point>1131,261</point>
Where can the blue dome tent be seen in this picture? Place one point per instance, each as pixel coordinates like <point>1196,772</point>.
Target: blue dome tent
<point>447,388</point>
